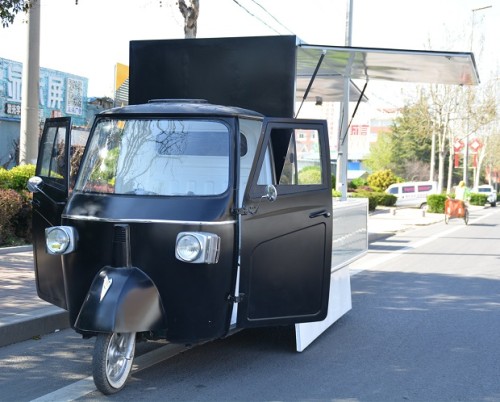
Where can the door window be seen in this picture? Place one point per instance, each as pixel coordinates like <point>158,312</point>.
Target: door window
<point>53,162</point>
<point>302,164</point>
<point>293,160</point>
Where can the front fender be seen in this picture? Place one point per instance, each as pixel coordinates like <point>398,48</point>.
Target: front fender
<point>121,300</point>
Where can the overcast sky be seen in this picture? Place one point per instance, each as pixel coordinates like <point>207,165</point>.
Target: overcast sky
<point>88,39</point>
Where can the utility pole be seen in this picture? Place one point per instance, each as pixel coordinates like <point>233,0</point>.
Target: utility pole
<point>343,140</point>
<point>28,144</point>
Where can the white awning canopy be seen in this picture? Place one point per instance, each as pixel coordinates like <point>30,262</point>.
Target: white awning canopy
<point>395,65</point>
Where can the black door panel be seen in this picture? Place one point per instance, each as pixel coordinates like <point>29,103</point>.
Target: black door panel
<point>286,243</point>
<point>48,205</point>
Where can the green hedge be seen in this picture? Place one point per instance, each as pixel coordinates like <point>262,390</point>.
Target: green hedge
<point>478,199</point>
<point>435,203</point>
<point>374,198</point>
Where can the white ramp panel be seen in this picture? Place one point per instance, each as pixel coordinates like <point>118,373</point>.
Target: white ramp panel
<point>349,242</point>
<point>339,304</point>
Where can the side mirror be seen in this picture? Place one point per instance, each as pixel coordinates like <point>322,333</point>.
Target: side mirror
<point>35,184</point>
<point>271,193</point>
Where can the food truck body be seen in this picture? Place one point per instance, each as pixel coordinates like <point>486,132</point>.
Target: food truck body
<point>187,219</point>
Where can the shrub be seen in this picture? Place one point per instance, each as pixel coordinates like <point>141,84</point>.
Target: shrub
<point>10,205</point>
<point>5,178</point>
<point>386,200</point>
<point>310,175</point>
<point>360,181</point>
<point>435,203</point>
<point>382,179</point>
<point>372,198</point>
<point>478,199</point>
<point>23,218</point>
<point>20,175</point>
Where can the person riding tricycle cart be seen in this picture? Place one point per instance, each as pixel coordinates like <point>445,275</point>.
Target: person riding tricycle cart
<point>457,208</point>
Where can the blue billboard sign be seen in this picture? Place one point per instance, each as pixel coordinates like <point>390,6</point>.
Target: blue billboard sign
<point>60,93</point>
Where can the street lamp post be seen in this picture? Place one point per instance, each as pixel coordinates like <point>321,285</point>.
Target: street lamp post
<point>466,152</point>
<point>343,139</point>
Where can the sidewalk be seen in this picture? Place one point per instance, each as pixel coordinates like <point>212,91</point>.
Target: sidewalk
<point>385,222</point>
<point>23,315</point>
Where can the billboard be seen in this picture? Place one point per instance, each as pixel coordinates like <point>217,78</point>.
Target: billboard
<point>60,93</point>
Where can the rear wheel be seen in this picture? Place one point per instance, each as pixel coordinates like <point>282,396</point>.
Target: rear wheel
<point>112,361</point>
<point>446,218</point>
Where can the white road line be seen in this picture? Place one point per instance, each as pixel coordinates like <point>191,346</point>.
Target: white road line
<point>86,386</point>
<point>374,262</point>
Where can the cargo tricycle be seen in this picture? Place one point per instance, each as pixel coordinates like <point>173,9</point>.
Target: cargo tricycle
<point>455,209</point>
<point>186,221</point>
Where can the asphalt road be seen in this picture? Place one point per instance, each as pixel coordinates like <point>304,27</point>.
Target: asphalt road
<point>424,326</point>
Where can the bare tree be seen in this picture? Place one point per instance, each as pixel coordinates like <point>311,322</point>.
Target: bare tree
<point>190,14</point>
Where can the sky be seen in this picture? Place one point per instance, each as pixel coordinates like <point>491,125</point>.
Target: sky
<point>88,39</point>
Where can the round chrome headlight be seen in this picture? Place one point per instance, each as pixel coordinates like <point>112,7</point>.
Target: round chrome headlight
<point>57,240</point>
<point>60,239</point>
<point>188,248</point>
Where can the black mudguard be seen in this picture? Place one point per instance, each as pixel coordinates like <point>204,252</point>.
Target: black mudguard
<point>121,299</point>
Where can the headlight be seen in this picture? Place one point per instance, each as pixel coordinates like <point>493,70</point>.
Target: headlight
<point>60,239</point>
<point>188,248</point>
<point>197,247</point>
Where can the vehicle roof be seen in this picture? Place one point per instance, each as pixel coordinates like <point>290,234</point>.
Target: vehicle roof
<point>197,107</point>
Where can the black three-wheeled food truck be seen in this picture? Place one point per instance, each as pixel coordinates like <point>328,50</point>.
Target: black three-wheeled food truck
<point>186,219</point>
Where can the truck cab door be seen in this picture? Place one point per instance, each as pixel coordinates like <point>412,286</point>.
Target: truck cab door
<point>49,200</point>
<point>285,255</point>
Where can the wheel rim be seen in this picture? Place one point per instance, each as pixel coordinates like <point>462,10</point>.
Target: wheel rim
<point>119,358</point>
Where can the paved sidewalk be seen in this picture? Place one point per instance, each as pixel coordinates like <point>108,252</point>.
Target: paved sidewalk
<point>23,315</point>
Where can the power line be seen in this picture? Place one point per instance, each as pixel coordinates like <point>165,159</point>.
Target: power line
<point>272,16</point>
<point>253,15</point>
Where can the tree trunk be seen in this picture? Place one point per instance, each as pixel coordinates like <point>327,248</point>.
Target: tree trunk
<point>190,14</point>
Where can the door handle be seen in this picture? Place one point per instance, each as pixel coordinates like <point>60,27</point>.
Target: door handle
<point>317,214</point>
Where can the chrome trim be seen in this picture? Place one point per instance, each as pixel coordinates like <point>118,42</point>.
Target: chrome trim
<point>96,219</point>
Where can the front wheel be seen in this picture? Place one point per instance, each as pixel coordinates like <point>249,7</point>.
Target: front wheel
<point>112,361</point>
<point>446,218</point>
<point>466,217</point>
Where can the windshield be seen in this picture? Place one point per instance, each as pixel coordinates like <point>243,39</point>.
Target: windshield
<point>156,157</point>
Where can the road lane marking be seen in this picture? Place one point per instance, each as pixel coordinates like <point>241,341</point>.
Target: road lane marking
<point>86,386</point>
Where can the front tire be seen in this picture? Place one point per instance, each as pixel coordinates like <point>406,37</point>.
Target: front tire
<point>112,361</point>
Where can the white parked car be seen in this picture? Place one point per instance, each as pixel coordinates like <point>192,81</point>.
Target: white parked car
<point>490,191</point>
<point>412,193</point>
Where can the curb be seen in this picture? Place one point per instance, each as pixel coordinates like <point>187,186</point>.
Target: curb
<point>16,249</point>
<point>42,321</point>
